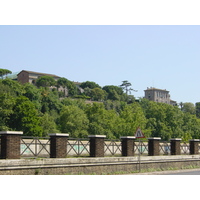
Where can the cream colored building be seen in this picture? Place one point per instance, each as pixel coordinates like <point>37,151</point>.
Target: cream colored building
<point>158,95</point>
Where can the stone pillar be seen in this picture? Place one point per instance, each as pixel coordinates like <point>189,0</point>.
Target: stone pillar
<point>153,146</point>
<point>175,146</point>
<point>127,145</point>
<point>194,146</point>
<point>10,144</point>
<point>97,145</point>
<point>58,145</point>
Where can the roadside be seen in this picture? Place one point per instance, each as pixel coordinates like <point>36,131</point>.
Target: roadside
<point>169,172</point>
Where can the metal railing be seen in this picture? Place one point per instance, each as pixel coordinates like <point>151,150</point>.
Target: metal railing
<point>78,146</point>
<point>164,148</point>
<point>112,147</point>
<point>185,148</point>
<point>35,146</point>
<point>141,147</point>
<point>40,147</point>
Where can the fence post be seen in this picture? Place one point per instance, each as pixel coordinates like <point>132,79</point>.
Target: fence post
<point>10,144</point>
<point>153,146</point>
<point>127,145</point>
<point>97,145</point>
<point>175,146</point>
<point>58,145</point>
<point>194,146</point>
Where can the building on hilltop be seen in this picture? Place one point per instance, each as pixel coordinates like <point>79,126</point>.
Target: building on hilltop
<point>159,95</point>
<point>30,77</point>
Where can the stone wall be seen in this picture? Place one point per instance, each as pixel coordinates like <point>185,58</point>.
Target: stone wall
<point>61,166</point>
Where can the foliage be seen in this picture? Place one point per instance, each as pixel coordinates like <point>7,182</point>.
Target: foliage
<point>89,84</point>
<point>45,81</point>
<point>69,85</point>
<point>73,120</point>
<point>113,92</point>
<point>4,72</point>
<point>38,111</point>
<point>188,107</point>
<point>25,117</point>
<point>48,125</point>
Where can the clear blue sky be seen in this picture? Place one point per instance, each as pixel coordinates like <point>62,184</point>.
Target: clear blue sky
<point>166,57</point>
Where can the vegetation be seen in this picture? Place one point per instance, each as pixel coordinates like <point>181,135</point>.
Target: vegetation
<point>39,109</point>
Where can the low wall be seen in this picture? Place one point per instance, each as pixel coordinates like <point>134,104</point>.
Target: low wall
<point>89,165</point>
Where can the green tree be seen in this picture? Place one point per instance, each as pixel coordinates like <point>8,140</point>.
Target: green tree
<point>48,125</point>
<point>98,94</point>
<point>14,86</point>
<point>89,84</point>
<point>189,107</point>
<point>133,117</point>
<point>126,86</point>
<point>198,109</point>
<point>113,92</point>
<point>4,72</point>
<point>6,109</point>
<point>25,117</point>
<point>74,121</point>
<point>69,85</point>
<point>49,101</point>
<point>102,121</point>
<point>45,81</point>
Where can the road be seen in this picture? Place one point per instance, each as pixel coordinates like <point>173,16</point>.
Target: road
<point>175,172</point>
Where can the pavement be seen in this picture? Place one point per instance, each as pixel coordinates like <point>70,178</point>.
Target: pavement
<point>172,172</point>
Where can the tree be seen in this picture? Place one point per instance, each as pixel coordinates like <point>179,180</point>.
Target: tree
<point>15,86</point>
<point>89,84</point>
<point>45,81</point>
<point>198,109</point>
<point>102,121</point>
<point>113,92</point>
<point>49,101</point>
<point>6,109</point>
<point>133,116</point>
<point>69,85</point>
<point>74,121</point>
<point>31,92</point>
<point>98,94</point>
<point>189,107</point>
<point>4,72</point>
<point>126,86</point>
<point>25,117</point>
<point>48,125</point>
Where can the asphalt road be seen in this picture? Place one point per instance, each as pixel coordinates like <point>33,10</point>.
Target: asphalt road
<point>175,172</point>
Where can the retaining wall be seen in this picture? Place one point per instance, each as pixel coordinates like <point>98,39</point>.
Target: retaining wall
<point>89,165</point>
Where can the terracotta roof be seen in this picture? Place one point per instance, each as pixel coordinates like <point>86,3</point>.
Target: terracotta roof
<point>39,73</point>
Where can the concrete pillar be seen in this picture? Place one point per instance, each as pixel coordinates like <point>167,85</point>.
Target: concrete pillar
<point>97,145</point>
<point>153,146</point>
<point>58,145</point>
<point>194,146</point>
<point>127,145</point>
<point>175,146</point>
<point>10,144</point>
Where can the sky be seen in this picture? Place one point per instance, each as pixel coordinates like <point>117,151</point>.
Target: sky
<point>161,56</point>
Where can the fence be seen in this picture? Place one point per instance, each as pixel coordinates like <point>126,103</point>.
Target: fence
<point>13,145</point>
<point>40,147</point>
